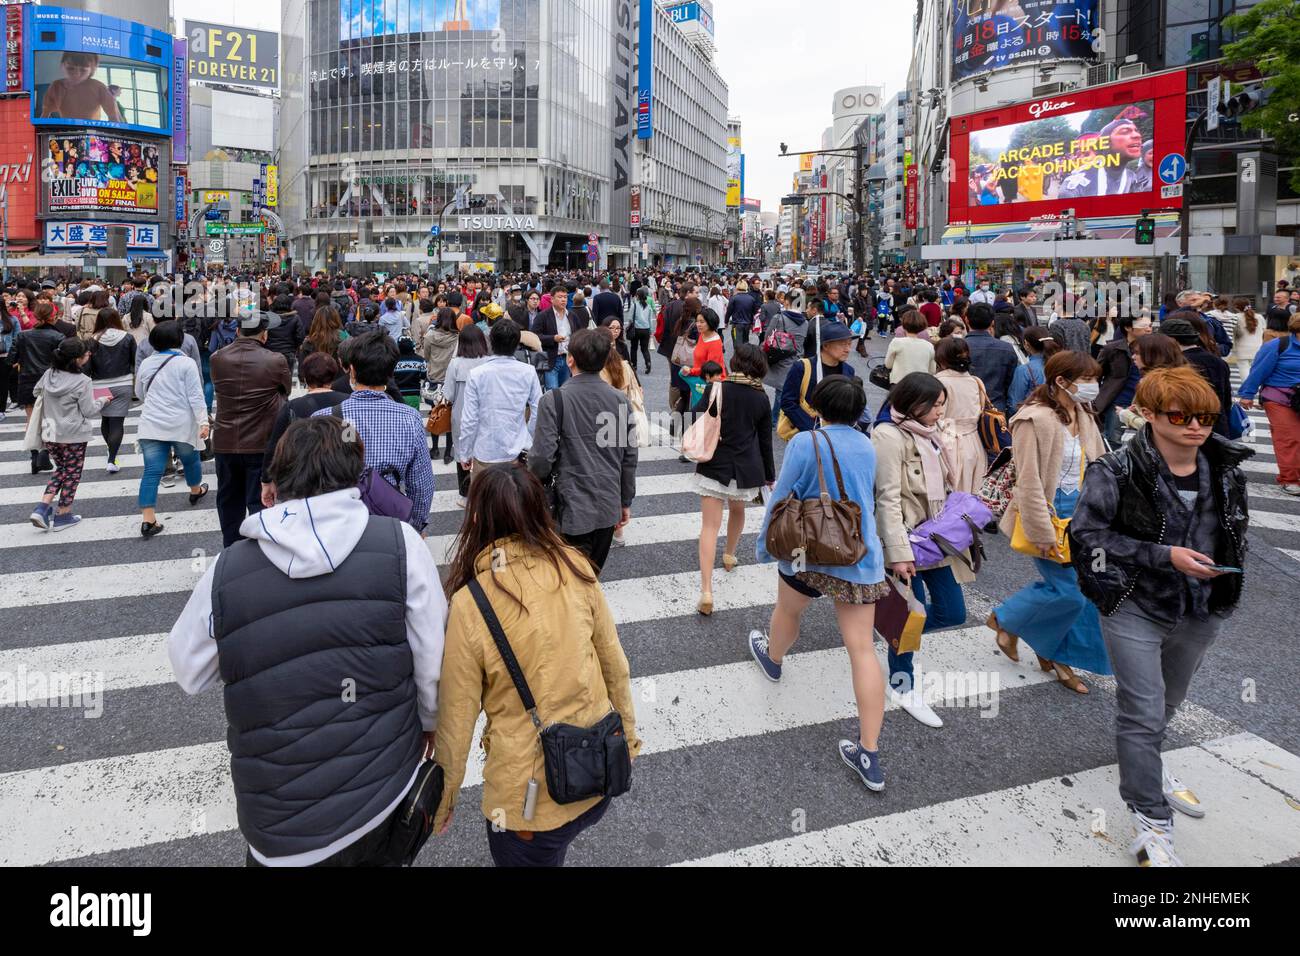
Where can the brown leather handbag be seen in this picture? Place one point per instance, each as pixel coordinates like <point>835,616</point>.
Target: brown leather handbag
<point>821,530</point>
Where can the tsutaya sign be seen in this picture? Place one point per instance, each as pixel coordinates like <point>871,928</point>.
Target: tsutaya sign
<point>496,223</point>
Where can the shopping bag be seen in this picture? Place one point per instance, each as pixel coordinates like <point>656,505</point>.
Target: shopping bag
<point>696,385</point>
<point>900,617</point>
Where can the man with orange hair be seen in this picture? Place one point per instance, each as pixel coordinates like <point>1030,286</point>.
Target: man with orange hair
<point>1158,541</point>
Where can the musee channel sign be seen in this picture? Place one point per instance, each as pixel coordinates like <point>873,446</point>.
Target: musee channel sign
<point>235,228</point>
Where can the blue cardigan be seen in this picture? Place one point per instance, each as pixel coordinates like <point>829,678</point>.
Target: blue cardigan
<point>1268,369</point>
<point>798,474</point>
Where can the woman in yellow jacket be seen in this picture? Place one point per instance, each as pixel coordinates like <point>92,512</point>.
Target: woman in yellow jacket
<point>555,617</point>
<point>1053,437</point>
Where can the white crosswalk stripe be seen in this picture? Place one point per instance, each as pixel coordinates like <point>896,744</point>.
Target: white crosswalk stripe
<point>176,790</point>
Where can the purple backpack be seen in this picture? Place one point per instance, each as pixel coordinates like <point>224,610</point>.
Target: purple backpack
<point>954,530</point>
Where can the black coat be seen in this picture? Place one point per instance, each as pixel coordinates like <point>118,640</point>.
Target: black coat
<point>1215,371</point>
<point>744,452</point>
<point>605,304</point>
<point>286,337</point>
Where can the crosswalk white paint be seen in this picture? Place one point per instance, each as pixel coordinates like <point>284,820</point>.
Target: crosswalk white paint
<point>1243,780</point>
<point>96,806</point>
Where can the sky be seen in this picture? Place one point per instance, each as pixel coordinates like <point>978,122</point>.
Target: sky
<point>784,61</point>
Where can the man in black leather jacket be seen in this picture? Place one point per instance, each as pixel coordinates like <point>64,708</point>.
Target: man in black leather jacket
<point>1158,541</point>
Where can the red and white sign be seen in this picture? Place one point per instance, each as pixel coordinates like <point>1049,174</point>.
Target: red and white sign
<point>13,48</point>
<point>20,173</point>
<point>909,197</point>
<point>1093,151</point>
<point>636,207</point>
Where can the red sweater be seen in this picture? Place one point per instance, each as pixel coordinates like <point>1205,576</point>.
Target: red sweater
<point>707,352</point>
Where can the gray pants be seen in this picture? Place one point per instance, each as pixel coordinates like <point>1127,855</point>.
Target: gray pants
<point>1153,667</point>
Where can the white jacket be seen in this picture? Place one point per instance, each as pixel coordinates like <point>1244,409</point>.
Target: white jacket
<point>173,398</point>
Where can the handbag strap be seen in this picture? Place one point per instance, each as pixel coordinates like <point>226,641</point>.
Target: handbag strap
<point>504,649</point>
<point>835,466</point>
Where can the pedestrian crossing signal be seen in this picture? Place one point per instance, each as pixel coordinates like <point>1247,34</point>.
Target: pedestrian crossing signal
<point>432,250</point>
<point>1145,234</point>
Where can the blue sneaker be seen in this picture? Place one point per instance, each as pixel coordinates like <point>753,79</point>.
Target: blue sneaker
<point>65,521</point>
<point>866,763</point>
<point>40,516</point>
<point>758,648</point>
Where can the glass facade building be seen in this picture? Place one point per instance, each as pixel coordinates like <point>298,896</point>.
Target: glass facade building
<point>401,115</point>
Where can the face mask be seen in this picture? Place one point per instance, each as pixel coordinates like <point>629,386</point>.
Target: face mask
<point>1086,391</point>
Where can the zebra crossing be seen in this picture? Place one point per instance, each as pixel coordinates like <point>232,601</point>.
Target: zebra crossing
<point>107,762</point>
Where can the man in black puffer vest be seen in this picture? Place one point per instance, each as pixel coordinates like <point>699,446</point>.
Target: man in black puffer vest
<point>1158,542</point>
<point>327,632</point>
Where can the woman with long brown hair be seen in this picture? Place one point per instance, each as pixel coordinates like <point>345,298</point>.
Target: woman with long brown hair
<point>556,620</point>
<point>1054,436</point>
<point>325,334</point>
<point>1247,336</point>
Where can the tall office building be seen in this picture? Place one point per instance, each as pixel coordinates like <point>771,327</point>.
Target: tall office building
<point>681,166</point>
<point>504,126</point>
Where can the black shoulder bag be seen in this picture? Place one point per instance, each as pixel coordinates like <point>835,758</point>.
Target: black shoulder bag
<point>581,762</point>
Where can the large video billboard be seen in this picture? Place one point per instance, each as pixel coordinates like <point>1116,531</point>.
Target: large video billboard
<point>1095,151</point>
<point>990,34</point>
<point>86,69</point>
<point>359,19</point>
<point>93,172</point>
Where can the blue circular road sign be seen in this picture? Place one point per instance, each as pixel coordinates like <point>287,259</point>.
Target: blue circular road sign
<point>1173,168</point>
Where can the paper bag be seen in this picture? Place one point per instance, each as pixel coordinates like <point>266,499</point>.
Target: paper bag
<point>900,618</point>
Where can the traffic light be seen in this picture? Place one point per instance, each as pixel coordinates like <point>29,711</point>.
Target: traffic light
<point>433,248</point>
<point>1145,233</point>
<point>1247,101</point>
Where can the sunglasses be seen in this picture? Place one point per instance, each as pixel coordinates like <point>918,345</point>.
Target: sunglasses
<point>1206,419</point>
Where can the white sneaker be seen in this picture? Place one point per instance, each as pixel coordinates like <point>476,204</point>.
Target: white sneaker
<point>1154,845</point>
<point>461,502</point>
<point>1179,797</point>
<point>168,480</point>
<point>1291,489</point>
<point>112,468</point>
<point>914,703</point>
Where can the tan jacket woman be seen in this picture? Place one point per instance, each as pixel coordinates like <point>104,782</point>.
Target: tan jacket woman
<point>1037,446</point>
<point>901,499</point>
<point>568,648</point>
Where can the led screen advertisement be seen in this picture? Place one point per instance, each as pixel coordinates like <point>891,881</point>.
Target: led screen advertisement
<point>1095,151</point>
<point>86,69</point>
<point>991,34</point>
<point>105,173</point>
<point>371,18</point>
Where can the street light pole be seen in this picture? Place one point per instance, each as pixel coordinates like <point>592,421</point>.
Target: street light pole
<point>444,209</point>
<point>1185,211</point>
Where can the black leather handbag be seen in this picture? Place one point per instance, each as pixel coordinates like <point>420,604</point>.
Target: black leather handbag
<point>581,762</point>
<point>413,823</point>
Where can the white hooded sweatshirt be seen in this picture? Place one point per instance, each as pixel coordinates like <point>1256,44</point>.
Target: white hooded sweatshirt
<point>305,538</point>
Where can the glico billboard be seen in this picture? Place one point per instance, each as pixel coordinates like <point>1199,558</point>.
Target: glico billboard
<point>1101,152</point>
<point>90,70</point>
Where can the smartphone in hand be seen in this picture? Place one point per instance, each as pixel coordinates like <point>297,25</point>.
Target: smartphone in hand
<point>1222,568</point>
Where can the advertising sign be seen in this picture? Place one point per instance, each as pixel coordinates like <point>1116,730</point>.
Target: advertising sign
<point>101,172</point>
<point>271,183</point>
<point>234,228</point>
<point>13,48</point>
<point>733,171</point>
<point>909,198</point>
<point>222,54</point>
<point>359,19</point>
<point>181,191</point>
<point>20,173</point>
<point>1095,150</point>
<point>258,200</point>
<point>636,207</point>
<point>645,70</point>
<point>692,13</point>
<point>805,163</point>
<point>991,34</point>
<point>79,235</point>
<point>215,195</point>
<point>623,39</point>
<point>89,69</point>
<point>180,104</point>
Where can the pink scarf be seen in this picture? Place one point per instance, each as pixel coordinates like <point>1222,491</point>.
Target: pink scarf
<point>936,457</point>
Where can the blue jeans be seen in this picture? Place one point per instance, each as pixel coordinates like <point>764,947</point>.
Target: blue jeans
<point>209,390</point>
<point>558,375</point>
<point>155,454</point>
<point>945,606</point>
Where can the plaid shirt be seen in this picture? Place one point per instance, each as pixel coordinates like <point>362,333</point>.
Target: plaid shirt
<point>394,437</point>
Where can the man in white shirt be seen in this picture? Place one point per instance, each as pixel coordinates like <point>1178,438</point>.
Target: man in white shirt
<point>983,294</point>
<point>501,397</point>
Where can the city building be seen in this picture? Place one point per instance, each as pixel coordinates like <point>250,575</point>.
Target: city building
<point>978,99</point>
<point>681,167</point>
<point>856,113</point>
<point>495,133</point>
<point>89,187</point>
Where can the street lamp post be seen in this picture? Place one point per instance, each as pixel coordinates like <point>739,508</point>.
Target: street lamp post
<point>858,153</point>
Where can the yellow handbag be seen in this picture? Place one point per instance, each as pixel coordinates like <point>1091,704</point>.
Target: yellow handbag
<point>1060,529</point>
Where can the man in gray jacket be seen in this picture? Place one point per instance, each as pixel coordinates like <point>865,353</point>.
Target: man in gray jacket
<point>589,442</point>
